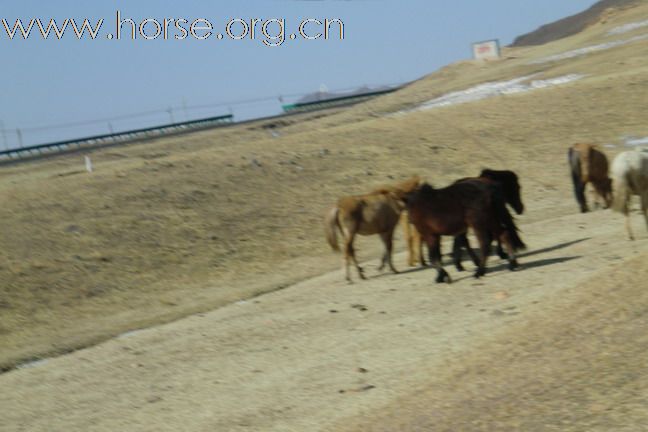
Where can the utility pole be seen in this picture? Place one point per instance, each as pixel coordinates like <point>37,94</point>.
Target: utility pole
<point>20,140</point>
<point>4,135</point>
<point>170,111</point>
<point>184,108</point>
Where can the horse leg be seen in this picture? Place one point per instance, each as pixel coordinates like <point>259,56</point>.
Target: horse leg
<point>484,239</point>
<point>505,238</point>
<point>434,249</point>
<point>582,199</point>
<point>387,239</point>
<point>349,254</point>
<point>459,241</point>
<point>626,212</point>
<point>579,192</point>
<point>471,252</point>
<point>418,245</point>
<point>409,238</point>
<point>500,250</point>
<point>627,224</point>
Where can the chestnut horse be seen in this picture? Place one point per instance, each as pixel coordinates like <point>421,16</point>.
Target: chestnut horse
<point>375,213</point>
<point>589,165</point>
<point>453,210</point>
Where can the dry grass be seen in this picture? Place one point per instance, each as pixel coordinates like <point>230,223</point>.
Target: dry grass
<point>178,225</point>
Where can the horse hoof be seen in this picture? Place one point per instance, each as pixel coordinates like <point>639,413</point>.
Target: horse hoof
<point>459,267</point>
<point>513,265</point>
<point>443,277</point>
<point>479,273</point>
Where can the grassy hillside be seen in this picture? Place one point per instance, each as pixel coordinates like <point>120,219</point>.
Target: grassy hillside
<point>184,224</point>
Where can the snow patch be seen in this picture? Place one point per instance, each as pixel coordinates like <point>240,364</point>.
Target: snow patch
<point>587,50</point>
<point>628,27</point>
<point>492,89</point>
<point>636,142</point>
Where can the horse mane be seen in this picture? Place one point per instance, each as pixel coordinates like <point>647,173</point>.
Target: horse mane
<point>499,175</point>
<point>399,189</point>
<point>426,189</point>
<point>409,184</point>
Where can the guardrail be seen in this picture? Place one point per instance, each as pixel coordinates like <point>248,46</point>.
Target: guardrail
<point>115,138</point>
<point>335,101</point>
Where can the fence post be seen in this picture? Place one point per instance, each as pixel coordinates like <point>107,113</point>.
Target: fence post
<point>20,139</point>
<point>4,135</point>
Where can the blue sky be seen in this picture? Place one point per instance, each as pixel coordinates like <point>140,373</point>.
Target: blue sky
<point>64,82</point>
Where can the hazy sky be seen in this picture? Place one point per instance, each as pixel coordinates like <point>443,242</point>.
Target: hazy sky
<point>62,82</point>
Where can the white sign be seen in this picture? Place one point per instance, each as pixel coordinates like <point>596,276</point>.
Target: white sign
<point>487,50</point>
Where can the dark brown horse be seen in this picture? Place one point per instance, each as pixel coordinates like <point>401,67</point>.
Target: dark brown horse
<point>589,165</point>
<point>505,183</point>
<point>453,210</point>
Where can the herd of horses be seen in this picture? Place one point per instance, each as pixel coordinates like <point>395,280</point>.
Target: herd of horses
<point>478,204</point>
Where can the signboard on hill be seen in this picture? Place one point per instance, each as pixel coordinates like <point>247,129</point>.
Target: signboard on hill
<point>486,50</point>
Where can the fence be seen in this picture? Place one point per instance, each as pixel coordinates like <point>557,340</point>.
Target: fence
<point>173,128</point>
<point>119,137</point>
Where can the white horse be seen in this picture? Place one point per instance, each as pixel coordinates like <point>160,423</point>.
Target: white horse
<point>630,177</point>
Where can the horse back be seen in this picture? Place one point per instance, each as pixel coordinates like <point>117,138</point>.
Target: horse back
<point>372,213</point>
<point>450,210</point>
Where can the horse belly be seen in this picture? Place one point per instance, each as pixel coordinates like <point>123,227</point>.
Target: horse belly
<point>378,219</point>
<point>449,227</point>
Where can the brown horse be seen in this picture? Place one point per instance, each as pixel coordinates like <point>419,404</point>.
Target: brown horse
<point>589,165</point>
<point>375,213</point>
<point>506,183</point>
<point>453,210</point>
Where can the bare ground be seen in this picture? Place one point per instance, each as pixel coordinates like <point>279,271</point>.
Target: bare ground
<point>557,345</point>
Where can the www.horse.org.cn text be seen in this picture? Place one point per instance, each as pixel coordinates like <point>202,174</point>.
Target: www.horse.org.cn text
<point>272,32</point>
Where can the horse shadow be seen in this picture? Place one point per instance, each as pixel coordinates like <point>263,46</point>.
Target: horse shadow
<point>502,267</point>
<point>531,252</point>
<point>552,248</point>
<point>400,272</point>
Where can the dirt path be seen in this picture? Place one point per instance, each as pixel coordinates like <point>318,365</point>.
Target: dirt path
<point>321,354</point>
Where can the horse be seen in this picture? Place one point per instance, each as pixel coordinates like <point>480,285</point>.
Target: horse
<point>411,235</point>
<point>375,213</point>
<point>589,165</point>
<point>630,177</point>
<point>456,208</point>
<point>509,187</point>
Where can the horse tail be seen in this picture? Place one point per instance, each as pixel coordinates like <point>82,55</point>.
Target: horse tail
<point>506,220</point>
<point>331,225</point>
